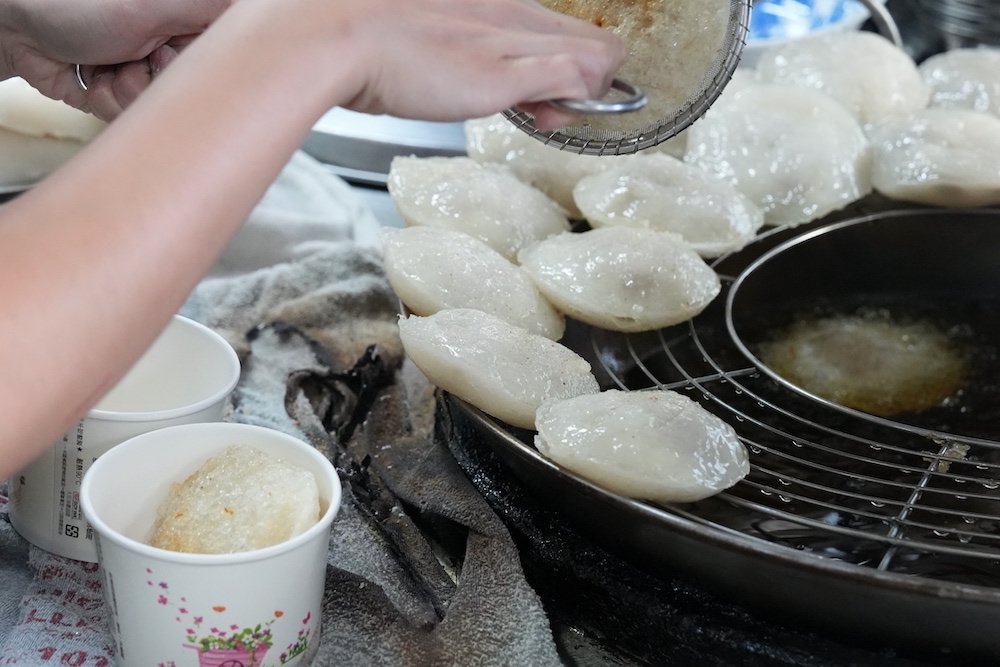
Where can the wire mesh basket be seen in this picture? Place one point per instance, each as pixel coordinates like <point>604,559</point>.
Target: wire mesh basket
<point>630,135</point>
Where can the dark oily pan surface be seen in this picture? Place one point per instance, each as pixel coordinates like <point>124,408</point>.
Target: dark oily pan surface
<point>847,523</point>
<point>607,611</point>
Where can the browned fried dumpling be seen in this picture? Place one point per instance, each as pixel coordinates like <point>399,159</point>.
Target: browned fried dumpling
<point>241,500</point>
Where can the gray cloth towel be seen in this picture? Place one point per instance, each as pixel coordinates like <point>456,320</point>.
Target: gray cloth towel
<point>420,570</point>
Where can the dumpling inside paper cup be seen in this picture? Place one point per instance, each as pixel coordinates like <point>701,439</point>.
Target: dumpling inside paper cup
<point>651,445</point>
<point>240,500</point>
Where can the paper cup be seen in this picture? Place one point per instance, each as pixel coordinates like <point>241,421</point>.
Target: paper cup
<point>255,608</point>
<point>185,376</point>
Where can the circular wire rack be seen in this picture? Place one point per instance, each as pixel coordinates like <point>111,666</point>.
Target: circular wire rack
<point>860,490</point>
<point>835,493</point>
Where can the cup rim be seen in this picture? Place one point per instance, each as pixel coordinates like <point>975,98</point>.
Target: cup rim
<point>191,408</point>
<point>105,531</point>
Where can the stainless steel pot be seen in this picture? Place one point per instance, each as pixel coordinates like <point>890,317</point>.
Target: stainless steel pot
<point>939,266</point>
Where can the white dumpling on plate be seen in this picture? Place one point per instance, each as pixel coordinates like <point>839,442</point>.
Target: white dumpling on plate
<point>484,200</point>
<point>37,134</point>
<point>795,152</point>
<point>869,75</point>
<point>662,193</point>
<point>495,139</point>
<point>651,445</point>
<point>502,369</point>
<point>27,111</point>
<point>622,278</point>
<point>433,269</point>
<point>966,78</point>
<point>942,157</point>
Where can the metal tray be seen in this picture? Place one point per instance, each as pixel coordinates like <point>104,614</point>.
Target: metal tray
<point>360,147</point>
<point>868,528</point>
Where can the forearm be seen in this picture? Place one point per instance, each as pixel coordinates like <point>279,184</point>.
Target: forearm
<point>95,260</point>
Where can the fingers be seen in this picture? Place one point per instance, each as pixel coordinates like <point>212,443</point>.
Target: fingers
<point>586,56</point>
<point>548,118</point>
<point>580,73</point>
<point>182,18</point>
<point>164,55</point>
<point>564,81</point>
<point>470,59</point>
<point>112,88</point>
<point>575,72</point>
<point>100,96</point>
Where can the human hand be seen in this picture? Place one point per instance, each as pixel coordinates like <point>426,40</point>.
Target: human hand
<point>448,60</point>
<point>121,44</point>
<point>217,126</point>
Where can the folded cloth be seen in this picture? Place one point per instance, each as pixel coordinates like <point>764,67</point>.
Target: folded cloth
<point>421,571</point>
<point>63,619</point>
<point>305,209</point>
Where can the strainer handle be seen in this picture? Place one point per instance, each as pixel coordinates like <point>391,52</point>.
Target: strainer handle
<point>883,21</point>
<point>636,100</point>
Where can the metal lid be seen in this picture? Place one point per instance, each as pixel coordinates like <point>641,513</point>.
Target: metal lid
<point>359,147</point>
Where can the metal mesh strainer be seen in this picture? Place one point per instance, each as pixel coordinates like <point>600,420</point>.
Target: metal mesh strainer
<point>667,112</point>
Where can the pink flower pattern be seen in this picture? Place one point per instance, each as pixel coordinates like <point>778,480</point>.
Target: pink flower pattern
<point>257,639</point>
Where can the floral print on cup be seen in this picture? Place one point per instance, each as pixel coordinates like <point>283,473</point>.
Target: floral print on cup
<point>221,644</point>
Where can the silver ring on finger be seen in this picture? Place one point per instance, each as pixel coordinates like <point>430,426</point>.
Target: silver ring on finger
<point>79,78</point>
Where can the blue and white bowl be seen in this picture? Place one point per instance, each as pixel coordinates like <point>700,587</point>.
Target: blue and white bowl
<point>779,21</point>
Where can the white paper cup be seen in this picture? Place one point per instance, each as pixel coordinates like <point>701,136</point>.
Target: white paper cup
<point>164,603</point>
<point>185,377</point>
